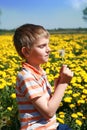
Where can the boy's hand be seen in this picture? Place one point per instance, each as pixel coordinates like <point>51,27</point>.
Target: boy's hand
<point>65,75</point>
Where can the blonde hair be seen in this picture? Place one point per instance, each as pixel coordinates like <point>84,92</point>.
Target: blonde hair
<point>26,35</point>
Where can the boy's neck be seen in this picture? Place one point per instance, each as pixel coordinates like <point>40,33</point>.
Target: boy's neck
<point>35,66</point>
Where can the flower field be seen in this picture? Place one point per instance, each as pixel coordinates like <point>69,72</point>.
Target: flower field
<point>70,49</point>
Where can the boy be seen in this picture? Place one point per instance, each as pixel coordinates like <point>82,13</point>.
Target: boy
<point>37,106</point>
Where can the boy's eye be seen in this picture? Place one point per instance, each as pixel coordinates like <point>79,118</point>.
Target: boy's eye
<point>42,46</point>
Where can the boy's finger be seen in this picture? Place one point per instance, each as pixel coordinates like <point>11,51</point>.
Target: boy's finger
<point>62,68</point>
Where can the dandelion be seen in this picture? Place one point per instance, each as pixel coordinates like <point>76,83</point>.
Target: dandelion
<point>62,54</point>
<point>2,83</point>
<point>68,99</point>
<point>47,70</point>
<point>85,91</point>
<point>13,95</point>
<point>9,108</point>
<point>83,96</point>
<point>76,94</point>
<point>85,79</point>
<point>78,122</point>
<point>2,86</point>
<point>61,113</point>
<point>73,80</point>
<point>81,87</point>
<point>72,106</point>
<point>83,117</point>
<point>81,101</point>
<point>74,115</point>
<point>60,120</point>
<point>79,114</point>
<point>79,79</point>
<point>68,92</point>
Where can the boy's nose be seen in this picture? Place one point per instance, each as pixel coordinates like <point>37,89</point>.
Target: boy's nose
<point>48,49</point>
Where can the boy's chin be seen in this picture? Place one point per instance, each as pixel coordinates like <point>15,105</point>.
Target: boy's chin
<point>44,61</point>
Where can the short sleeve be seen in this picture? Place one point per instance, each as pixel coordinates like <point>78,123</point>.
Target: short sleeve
<point>30,87</point>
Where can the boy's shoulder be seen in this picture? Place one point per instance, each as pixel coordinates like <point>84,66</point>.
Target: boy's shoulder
<point>24,73</point>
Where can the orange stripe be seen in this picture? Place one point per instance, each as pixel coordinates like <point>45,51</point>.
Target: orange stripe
<point>24,103</point>
<point>36,95</point>
<point>35,86</point>
<point>17,88</point>
<point>20,95</point>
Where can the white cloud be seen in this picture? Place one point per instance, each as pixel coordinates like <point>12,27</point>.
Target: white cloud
<point>77,4</point>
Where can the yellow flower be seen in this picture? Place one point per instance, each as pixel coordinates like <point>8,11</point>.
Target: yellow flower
<point>47,70</point>
<point>79,114</point>
<point>83,96</point>
<point>74,115</point>
<point>68,99</point>
<point>79,79</point>
<point>68,92</point>
<point>81,101</point>
<point>81,87</point>
<point>73,80</point>
<point>62,116</point>
<point>9,108</point>
<point>2,86</point>
<point>2,83</point>
<point>61,113</point>
<point>72,105</point>
<point>78,122</point>
<point>85,79</point>
<point>85,91</point>
<point>60,120</point>
<point>10,63</point>
<point>76,94</point>
<point>13,95</point>
<point>83,117</point>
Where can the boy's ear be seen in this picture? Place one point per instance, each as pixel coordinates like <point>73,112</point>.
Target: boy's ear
<point>25,51</point>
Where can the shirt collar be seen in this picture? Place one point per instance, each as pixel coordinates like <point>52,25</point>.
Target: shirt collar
<point>37,73</point>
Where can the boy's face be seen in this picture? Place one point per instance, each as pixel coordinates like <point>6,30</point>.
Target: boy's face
<point>39,52</point>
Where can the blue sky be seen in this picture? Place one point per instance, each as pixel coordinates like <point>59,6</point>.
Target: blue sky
<point>48,13</point>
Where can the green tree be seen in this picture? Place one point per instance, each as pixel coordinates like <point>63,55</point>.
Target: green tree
<point>85,14</point>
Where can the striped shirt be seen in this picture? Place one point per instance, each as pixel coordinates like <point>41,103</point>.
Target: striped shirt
<point>30,84</point>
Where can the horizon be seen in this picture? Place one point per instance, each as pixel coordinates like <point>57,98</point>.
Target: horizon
<point>50,29</point>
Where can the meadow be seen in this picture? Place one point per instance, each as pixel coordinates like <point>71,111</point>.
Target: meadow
<point>70,49</point>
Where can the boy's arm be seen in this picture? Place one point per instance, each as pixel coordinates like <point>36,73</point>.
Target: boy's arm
<point>48,107</point>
